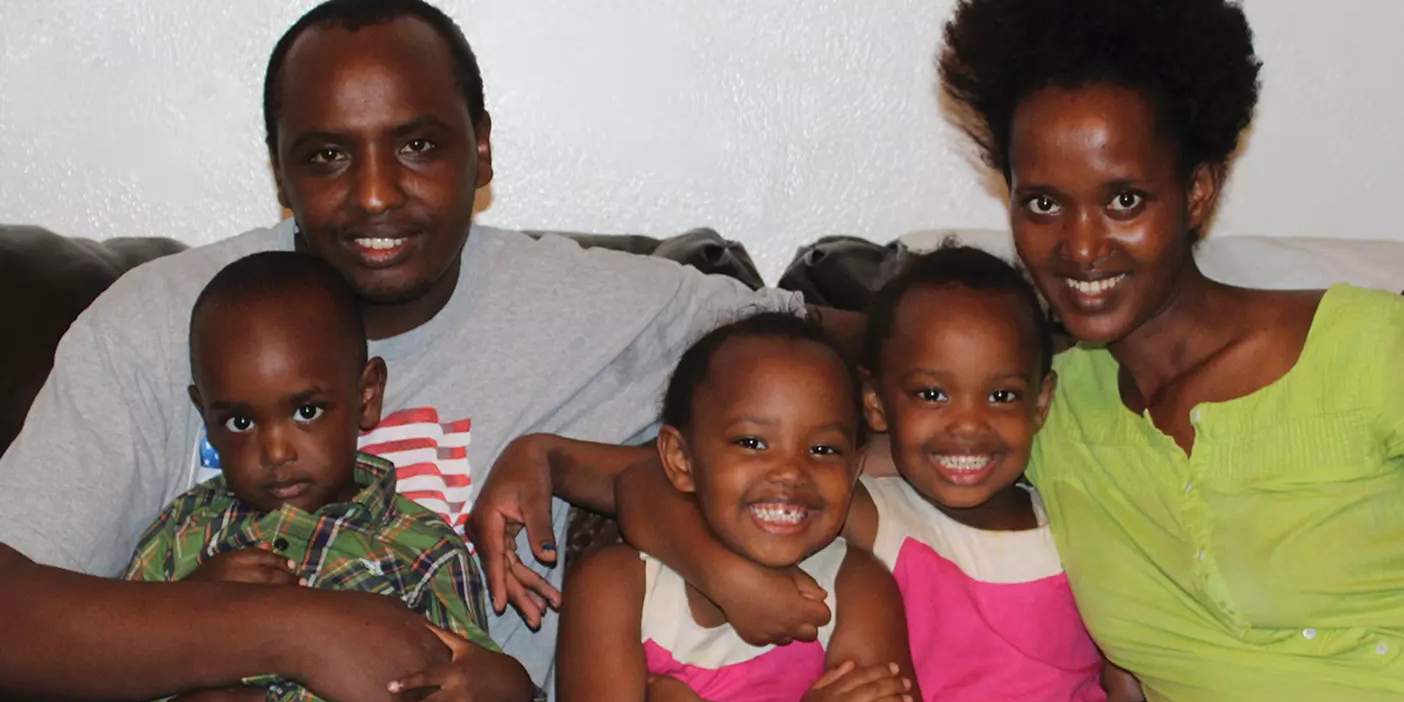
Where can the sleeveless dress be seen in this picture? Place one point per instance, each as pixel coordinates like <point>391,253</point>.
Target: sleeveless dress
<point>990,614</point>
<point>715,662</point>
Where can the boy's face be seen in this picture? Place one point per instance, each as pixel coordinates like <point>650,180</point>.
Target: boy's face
<point>283,400</point>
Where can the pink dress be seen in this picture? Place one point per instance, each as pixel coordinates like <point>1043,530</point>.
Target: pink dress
<point>715,662</point>
<point>990,615</point>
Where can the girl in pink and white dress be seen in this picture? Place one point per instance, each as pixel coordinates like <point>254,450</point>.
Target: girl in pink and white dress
<point>958,375</point>
<point>761,425</point>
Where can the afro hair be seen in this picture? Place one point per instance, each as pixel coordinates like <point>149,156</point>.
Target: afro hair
<point>1193,58</point>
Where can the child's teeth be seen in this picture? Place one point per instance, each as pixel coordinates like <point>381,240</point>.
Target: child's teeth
<point>780,513</point>
<point>965,463</point>
<point>379,243</point>
<point>1094,287</point>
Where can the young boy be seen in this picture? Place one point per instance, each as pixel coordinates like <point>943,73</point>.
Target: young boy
<point>282,381</point>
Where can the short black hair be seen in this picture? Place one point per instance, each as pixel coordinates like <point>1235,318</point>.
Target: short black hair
<point>1193,59</point>
<point>696,361</point>
<point>355,14</point>
<point>280,276</point>
<point>955,265</point>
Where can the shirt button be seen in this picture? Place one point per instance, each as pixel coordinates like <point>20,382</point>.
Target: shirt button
<point>280,544</point>
<point>1189,485</point>
<point>1200,556</point>
<point>1309,633</point>
<point>1382,648</point>
<point>1194,415</point>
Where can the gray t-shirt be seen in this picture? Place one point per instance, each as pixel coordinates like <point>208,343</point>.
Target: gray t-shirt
<point>539,336</point>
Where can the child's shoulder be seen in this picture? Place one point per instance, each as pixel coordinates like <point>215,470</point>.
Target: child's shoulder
<point>605,578</point>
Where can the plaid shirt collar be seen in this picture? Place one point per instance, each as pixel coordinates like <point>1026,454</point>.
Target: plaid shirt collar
<point>372,504</point>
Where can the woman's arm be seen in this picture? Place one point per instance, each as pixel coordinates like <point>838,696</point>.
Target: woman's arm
<point>763,605</point>
<point>599,650</point>
<point>871,629</point>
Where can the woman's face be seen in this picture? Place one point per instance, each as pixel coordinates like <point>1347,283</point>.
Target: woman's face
<point>1100,210</point>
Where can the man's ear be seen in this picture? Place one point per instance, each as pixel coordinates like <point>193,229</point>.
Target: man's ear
<point>372,392</point>
<point>482,134</point>
<point>278,179</point>
<point>1045,398</point>
<point>872,403</point>
<point>677,465</point>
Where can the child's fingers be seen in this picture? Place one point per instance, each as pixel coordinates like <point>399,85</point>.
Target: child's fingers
<point>833,674</point>
<point>430,677</point>
<point>862,677</point>
<point>533,582</point>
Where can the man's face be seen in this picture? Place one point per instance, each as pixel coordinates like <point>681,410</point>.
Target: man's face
<point>378,158</point>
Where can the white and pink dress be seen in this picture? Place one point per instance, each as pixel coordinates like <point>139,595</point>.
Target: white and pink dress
<point>990,615</point>
<point>715,662</point>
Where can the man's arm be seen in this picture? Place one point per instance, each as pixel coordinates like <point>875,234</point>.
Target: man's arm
<point>82,637</point>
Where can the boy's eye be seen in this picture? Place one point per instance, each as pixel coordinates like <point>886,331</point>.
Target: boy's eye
<point>1042,205</point>
<point>931,395</point>
<point>1126,201</point>
<point>1002,396</point>
<point>238,424</point>
<point>750,443</point>
<point>307,413</point>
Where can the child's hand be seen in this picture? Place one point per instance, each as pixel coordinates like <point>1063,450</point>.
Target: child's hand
<point>472,674</point>
<point>768,606</point>
<point>848,683</point>
<point>662,688</point>
<point>516,496</point>
<point>251,565</point>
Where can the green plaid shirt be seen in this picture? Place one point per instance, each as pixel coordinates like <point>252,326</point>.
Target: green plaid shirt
<point>378,542</point>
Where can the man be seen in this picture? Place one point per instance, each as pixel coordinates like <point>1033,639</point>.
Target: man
<point>379,139</point>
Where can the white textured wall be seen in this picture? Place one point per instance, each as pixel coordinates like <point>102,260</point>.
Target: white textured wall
<point>775,121</point>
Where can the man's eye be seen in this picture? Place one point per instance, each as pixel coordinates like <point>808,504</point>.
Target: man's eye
<point>307,413</point>
<point>238,425</point>
<point>750,443</point>
<point>931,395</point>
<point>1042,205</point>
<point>419,146</point>
<point>324,156</point>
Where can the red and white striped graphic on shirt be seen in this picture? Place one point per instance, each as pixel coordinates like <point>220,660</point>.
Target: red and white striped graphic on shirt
<point>431,460</point>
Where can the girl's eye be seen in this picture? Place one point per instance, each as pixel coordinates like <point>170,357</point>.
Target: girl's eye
<point>931,395</point>
<point>1042,205</point>
<point>825,450</point>
<point>1126,201</point>
<point>419,146</point>
<point>307,413</point>
<point>325,156</point>
<point>238,425</point>
<point>750,443</point>
<point>1002,396</point>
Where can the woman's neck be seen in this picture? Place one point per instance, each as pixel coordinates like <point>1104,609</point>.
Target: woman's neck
<point>1200,320</point>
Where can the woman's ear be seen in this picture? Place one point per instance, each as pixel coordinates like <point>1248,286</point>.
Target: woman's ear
<point>1205,184</point>
<point>372,392</point>
<point>677,465</point>
<point>872,403</point>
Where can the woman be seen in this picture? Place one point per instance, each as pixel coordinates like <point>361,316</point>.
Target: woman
<point>1223,467</point>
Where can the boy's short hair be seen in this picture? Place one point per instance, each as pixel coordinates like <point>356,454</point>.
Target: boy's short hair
<point>275,275</point>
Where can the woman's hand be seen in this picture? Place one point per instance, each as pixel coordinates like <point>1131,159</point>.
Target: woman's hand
<point>848,683</point>
<point>516,496</point>
<point>472,674</point>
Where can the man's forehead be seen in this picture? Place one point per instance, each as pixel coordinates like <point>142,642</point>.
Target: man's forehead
<point>406,46</point>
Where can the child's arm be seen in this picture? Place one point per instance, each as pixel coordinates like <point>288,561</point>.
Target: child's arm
<point>871,634</point>
<point>1120,685</point>
<point>599,651</point>
<point>763,605</point>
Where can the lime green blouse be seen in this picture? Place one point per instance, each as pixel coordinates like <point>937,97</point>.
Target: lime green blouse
<point>1269,564</point>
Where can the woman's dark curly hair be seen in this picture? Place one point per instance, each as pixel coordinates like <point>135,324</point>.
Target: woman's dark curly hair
<point>1193,58</point>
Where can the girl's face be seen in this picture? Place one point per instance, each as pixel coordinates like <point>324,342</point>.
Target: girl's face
<point>959,393</point>
<point>1101,212</point>
<point>771,450</point>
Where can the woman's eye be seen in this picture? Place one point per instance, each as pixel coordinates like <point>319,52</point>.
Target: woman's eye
<point>238,425</point>
<point>750,443</point>
<point>1002,396</point>
<point>324,156</point>
<point>931,395</point>
<point>307,413</point>
<point>1125,202</point>
<point>1042,205</point>
<point>419,146</point>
